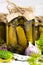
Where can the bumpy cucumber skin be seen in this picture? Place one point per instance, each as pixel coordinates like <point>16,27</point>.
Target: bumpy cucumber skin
<point>4,54</point>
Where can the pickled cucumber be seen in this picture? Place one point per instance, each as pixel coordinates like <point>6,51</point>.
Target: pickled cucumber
<point>12,39</point>
<point>4,54</point>
<point>28,29</point>
<point>21,36</point>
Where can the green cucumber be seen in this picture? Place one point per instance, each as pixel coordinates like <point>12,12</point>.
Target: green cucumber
<point>4,54</point>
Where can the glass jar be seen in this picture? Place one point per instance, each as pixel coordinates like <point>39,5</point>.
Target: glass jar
<point>2,33</point>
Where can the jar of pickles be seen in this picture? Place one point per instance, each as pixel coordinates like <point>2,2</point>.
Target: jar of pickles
<point>41,30</point>
<point>40,40</point>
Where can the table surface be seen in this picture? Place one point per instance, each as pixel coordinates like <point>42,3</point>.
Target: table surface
<point>19,62</point>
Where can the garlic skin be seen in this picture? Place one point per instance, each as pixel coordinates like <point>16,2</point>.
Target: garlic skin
<point>32,49</point>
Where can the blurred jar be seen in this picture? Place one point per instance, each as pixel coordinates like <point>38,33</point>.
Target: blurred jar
<point>41,29</point>
<point>2,33</point>
<point>40,41</point>
<point>16,39</point>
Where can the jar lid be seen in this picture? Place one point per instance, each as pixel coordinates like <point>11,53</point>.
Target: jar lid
<point>12,16</point>
<point>28,15</point>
